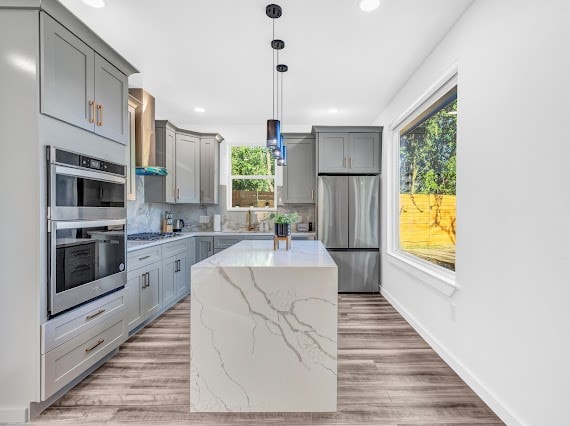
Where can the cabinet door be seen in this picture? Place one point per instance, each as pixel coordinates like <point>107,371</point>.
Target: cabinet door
<point>209,158</point>
<point>111,97</point>
<point>299,175</point>
<point>181,277</point>
<point>187,169</point>
<point>131,171</point>
<point>133,290</point>
<point>333,150</point>
<point>169,271</point>
<point>364,153</point>
<point>204,248</point>
<point>190,260</point>
<point>67,68</point>
<point>152,291</point>
<point>170,164</point>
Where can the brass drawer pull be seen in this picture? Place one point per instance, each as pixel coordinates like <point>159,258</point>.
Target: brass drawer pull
<point>95,345</point>
<point>96,314</point>
<point>91,112</point>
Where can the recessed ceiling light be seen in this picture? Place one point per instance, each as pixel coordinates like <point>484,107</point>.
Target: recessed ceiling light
<point>95,3</point>
<point>199,109</point>
<point>367,5</point>
<point>333,110</point>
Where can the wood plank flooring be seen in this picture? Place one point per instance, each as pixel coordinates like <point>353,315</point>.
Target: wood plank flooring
<point>387,375</point>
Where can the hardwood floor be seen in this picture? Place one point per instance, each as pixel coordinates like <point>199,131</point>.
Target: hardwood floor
<point>387,375</point>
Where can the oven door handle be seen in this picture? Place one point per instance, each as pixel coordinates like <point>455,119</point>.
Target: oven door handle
<point>86,224</point>
<point>70,171</point>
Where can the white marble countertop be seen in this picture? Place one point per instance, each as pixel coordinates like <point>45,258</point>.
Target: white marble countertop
<point>139,245</point>
<point>260,253</point>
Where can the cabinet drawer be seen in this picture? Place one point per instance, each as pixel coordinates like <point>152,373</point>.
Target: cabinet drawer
<point>66,362</point>
<point>225,242</point>
<point>71,324</point>
<point>140,258</point>
<point>172,249</point>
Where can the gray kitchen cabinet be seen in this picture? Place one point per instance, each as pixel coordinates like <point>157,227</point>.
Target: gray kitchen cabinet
<point>332,152</point>
<point>67,75</point>
<point>209,169</point>
<point>187,168</point>
<point>258,237</point>
<point>181,286</point>
<point>349,150</point>
<point>221,243</point>
<point>170,164</point>
<point>204,248</point>
<point>131,164</point>
<point>135,315</point>
<point>111,99</point>
<point>144,291</point>
<point>299,177</point>
<point>364,152</point>
<point>173,278</point>
<point>79,86</point>
<point>190,260</point>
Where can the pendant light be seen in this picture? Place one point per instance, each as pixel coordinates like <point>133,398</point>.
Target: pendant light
<point>274,11</point>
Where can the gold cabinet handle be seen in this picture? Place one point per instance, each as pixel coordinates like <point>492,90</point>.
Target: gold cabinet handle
<point>350,162</point>
<point>312,194</point>
<point>96,314</point>
<point>178,193</point>
<point>91,112</point>
<point>95,345</point>
<point>99,114</point>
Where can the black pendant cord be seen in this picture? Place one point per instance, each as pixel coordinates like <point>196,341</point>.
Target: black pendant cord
<point>281,95</point>
<point>273,71</point>
<point>278,116</point>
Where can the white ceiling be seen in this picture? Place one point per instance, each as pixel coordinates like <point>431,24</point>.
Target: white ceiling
<point>215,54</point>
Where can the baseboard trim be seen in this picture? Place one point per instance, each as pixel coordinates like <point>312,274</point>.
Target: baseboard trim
<point>489,399</point>
<point>13,415</point>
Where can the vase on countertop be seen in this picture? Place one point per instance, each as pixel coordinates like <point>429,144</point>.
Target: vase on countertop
<point>282,229</point>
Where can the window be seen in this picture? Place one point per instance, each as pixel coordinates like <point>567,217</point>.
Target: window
<point>427,176</point>
<point>252,178</point>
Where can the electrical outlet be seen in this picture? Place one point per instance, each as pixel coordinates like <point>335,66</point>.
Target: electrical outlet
<point>204,219</point>
<point>452,311</point>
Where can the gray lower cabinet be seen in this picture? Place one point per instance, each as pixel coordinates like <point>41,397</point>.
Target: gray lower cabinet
<point>174,278</point>
<point>144,293</point>
<point>190,260</point>
<point>204,247</point>
<point>349,152</point>
<point>221,243</point>
<point>79,86</point>
<point>299,177</point>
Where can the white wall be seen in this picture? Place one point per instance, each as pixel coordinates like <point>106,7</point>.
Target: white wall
<point>510,339</point>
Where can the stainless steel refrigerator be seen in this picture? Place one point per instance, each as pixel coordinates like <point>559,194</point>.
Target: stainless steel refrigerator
<point>348,225</point>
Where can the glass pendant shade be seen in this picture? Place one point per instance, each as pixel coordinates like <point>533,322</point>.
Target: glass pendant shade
<point>283,160</point>
<point>276,150</point>
<point>273,133</point>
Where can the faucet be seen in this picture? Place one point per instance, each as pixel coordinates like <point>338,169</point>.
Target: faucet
<point>249,219</point>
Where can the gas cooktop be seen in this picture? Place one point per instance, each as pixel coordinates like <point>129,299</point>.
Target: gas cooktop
<point>151,236</point>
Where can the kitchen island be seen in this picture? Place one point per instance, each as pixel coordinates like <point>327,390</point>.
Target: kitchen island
<point>264,330</point>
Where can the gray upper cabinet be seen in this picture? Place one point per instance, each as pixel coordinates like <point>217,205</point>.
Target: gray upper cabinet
<point>364,152</point>
<point>187,168</point>
<point>332,152</point>
<point>67,76</point>
<point>111,99</point>
<point>299,177</point>
<point>349,150</point>
<point>80,87</point>
<point>170,164</point>
<point>209,169</point>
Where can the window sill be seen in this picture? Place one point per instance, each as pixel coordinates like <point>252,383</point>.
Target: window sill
<point>440,280</point>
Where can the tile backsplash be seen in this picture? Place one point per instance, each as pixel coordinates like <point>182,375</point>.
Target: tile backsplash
<point>147,217</point>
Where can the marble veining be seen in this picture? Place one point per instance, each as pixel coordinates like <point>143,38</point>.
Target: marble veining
<point>264,338</point>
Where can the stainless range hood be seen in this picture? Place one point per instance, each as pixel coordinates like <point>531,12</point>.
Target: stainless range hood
<point>145,139</point>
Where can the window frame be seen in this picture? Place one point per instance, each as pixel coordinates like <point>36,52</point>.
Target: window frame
<point>231,178</point>
<point>437,277</point>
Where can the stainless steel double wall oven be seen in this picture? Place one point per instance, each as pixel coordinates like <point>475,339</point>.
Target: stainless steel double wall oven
<point>86,228</point>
